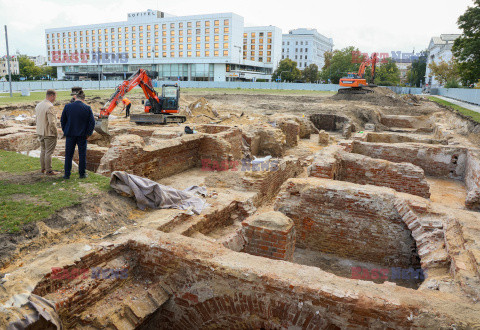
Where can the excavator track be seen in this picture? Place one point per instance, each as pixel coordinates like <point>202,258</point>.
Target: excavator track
<point>355,90</point>
<point>148,118</point>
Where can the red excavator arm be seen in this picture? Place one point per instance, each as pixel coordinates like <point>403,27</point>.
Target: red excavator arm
<point>140,78</point>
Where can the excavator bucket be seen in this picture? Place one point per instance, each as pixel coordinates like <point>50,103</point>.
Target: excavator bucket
<point>101,126</point>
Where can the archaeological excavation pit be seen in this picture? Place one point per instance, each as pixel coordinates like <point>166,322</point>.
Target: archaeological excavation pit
<point>352,227</point>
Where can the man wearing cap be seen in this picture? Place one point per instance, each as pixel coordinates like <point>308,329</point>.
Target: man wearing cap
<point>77,124</point>
<point>46,122</point>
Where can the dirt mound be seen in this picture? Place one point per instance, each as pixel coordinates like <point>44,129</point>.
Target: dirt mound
<point>201,107</point>
<point>381,96</point>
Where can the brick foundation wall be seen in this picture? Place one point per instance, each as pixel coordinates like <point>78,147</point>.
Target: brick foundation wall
<point>268,183</point>
<point>168,157</point>
<point>211,286</point>
<point>270,235</point>
<point>398,121</point>
<point>291,129</point>
<point>472,180</point>
<point>350,221</point>
<point>21,141</point>
<point>403,177</point>
<point>435,160</point>
<point>224,146</point>
<point>154,162</point>
<point>213,129</point>
<point>335,164</point>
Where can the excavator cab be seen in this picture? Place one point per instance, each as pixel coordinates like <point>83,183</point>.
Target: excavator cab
<point>170,98</point>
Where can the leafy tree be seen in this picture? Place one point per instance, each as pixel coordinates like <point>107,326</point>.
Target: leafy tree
<point>444,71</point>
<point>287,70</point>
<point>466,48</point>
<point>310,73</point>
<point>416,73</point>
<point>387,74</point>
<point>339,62</point>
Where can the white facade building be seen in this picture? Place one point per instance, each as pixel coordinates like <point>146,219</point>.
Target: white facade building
<point>199,47</point>
<point>439,49</point>
<point>14,67</point>
<point>306,46</point>
<point>39,60</point>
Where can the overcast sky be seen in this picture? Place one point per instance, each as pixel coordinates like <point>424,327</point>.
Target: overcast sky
<point>382,25</point>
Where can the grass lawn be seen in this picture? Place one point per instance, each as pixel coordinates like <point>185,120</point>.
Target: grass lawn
<point>467,112</point>
<point>104,93</point>
<point>23,200</point>
<point>61,95</point>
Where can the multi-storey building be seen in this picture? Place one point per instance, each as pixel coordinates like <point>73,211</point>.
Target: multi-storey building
<point>14,67</point>
<point>39,60</point>
<point>199,47</point>
<point>439,49</point>
<point>306,46</point>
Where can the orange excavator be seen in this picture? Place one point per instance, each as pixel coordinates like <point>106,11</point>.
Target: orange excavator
<point>158,109</point>
<point>356,82</point>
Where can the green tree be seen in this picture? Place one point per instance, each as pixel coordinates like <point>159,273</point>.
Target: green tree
<point>416,72</point>
<point>310,73</point>
<point>387,74</point>
<point>339,62</point>
<point>287,70</point>
<point>466,48</point>
<point>444,71</point>
<point>26,66</point>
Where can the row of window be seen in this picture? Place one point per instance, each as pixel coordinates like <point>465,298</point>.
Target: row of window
<point>260,35</point>
<point>296,43</point>
<point>296,57</point>
<point>296,50</point>
<point>94,47</point>
<point>141,36</point>
<point>134,28</point>
<point>197,53</point>
<point>260,41</point>
<point>141,41</point>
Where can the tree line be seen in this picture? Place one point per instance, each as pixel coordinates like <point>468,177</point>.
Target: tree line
<point>29,71</point>
<point>463,68</point>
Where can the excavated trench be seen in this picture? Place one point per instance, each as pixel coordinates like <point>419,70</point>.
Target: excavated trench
<point>334,217</point>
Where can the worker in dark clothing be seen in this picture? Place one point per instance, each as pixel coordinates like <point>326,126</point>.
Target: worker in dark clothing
<point>77,124</point>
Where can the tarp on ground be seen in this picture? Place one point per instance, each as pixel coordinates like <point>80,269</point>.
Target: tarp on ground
<point>153,195</point>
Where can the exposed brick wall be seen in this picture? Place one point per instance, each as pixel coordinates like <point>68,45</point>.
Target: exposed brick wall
<point>168,157</point>
<point>270,235</point>
<point>435,160</point>
<point>472,180</point>
<point>155,162</point>
<point>335,164</point>
<point>211,286</point>
<point>403,177</point>
<point>21,141</point>
<point>351,221</point>
<point>213,129</point>
<point>222,146</point>
<point>291,129</point>
<point>396,138</point>
<point>398,121</point>
<point>268,183</point>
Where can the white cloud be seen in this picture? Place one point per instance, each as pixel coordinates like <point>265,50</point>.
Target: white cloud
<point>369,25</point>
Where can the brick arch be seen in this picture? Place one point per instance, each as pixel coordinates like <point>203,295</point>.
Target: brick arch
<point>238,311</point>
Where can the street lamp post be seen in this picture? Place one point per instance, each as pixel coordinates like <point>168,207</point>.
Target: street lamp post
<point>8,63</point>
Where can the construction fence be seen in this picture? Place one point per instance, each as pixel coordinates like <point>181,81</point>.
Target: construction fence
<point>461,94</point>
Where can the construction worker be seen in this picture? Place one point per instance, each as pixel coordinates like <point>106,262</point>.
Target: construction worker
<point>46,121</point>
<point>126,106</point>
<point>77,124</point>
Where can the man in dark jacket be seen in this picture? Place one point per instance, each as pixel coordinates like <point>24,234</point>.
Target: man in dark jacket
<point>77,124</point>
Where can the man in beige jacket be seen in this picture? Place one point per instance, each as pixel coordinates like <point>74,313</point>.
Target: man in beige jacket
<point>47,131</point>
